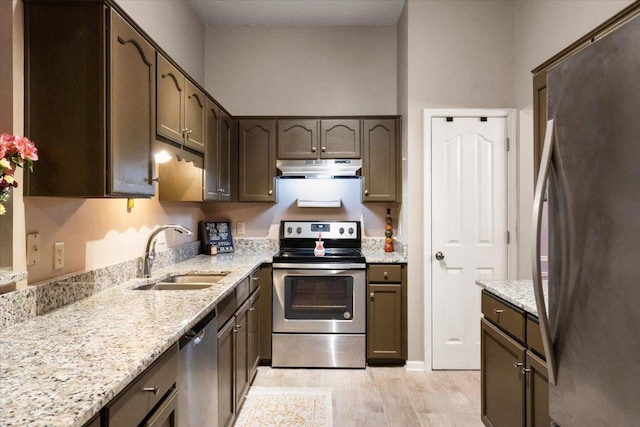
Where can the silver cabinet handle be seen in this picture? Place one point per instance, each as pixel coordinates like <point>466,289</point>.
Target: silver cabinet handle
<point>252,309</point>
<point>543,175</point>
<point>386,276</point>
<point>153,390</point>
<point>518,365</point>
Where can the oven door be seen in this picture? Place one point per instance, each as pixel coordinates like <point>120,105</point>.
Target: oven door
<point>319,301</point>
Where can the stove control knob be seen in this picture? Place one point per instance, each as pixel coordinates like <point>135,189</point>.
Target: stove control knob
<point>350,230</point>
<point>341,231</point>
<point>298,230</point>
<point>289,230</point>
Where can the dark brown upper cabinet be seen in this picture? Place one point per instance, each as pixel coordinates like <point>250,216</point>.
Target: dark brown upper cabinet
<point>220,137</point>
<point>381,161</point>
<point>89,101</point>
<point>340,139</point>
<point>298,139</point>
<point>181,107</point>
<point>257,160</point>
<point>318,139</point>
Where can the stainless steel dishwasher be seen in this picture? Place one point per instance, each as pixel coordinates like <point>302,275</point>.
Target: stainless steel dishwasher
<point>198,374</point>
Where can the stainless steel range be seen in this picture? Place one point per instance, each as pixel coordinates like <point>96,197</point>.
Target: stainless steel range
<point>319,296</point>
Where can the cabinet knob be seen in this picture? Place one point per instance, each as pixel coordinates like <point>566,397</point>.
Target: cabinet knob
<point>234,330</point>
<point>313,149</point>
<point>386,276</point>
<point>270,192</point>
<point>371,295</point>
<point>252,309</point>
<point>324,149</point>
<point>525,371</point>
<point>518,365</point>
<point>366,192</point>
<point>153,390</point>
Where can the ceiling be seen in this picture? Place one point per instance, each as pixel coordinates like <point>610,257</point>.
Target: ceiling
<point>298,12</point>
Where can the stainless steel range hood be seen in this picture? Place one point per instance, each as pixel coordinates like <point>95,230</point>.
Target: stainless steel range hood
<point>326,168</point>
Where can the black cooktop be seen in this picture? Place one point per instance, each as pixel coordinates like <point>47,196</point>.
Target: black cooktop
<point>351,255</point>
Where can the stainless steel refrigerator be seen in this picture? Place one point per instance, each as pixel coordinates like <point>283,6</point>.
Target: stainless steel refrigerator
<point>592,160</point>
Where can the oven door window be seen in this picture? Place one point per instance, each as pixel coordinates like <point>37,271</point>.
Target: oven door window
<point>318,297</point>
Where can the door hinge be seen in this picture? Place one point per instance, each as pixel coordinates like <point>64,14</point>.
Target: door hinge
<point>508,144</point>
<point>508,237</point>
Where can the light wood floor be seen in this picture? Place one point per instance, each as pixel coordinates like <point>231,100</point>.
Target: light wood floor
<point>374,397</point>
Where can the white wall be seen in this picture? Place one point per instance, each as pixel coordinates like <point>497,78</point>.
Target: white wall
<point>301,70</point>
<point>175,27</point>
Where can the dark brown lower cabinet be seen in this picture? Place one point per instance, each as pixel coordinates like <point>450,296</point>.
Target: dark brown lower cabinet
<point>236,340</point>
<point>384,322</point>
<point>502,379</point>
<point>254,334</point>
<point>226,392</point>
<point>514,379</point>
<point>537,391</point>
<point>386,313</point>
<point>241,345</point>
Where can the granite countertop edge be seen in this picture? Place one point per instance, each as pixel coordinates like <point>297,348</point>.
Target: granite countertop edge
<point>518,292</point>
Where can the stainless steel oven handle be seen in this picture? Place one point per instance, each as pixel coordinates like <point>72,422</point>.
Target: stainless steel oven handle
<point>319,266</point>
<point>538,202</point>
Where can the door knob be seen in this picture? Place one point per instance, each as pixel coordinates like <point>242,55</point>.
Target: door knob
<point>439,256</point>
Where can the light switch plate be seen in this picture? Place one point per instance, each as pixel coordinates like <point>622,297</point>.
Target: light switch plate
<point>240,228</point>
<point>33,248</point>
<point>58,255</point>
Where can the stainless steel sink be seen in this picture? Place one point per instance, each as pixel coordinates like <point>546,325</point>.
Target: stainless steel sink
<point>196,278</point>
<point>185,282</point>
<point>166,286</point>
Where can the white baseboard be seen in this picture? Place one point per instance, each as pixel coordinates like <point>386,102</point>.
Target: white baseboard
<point>415,365</point>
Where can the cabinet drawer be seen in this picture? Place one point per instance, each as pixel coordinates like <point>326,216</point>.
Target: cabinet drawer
<point>133,405</point>
<point>242,291</point>
<point>507,317</point>
<point>226,308</point>
<point>534,337</point>
<point>385,273</point>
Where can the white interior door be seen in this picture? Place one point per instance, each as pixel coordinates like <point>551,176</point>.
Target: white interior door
<point>469,230</point>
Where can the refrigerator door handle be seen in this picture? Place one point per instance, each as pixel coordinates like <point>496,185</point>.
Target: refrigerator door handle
<point>538,202</point>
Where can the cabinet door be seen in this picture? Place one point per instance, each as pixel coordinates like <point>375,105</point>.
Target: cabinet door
<point>266,308</point>
<point>194,113</point>
<point>384,321</point>
<point>297,139</point>
<point>380,161</point>
<point>226,395</point>
<point>254,334</point>
<point>170,108</point>
<point>537,392</point>
<point>340,139</point>
<point>167,414</point>
<point>133,98</point>
<point>241,354</point>
<point>257,161</point>
<point>212,151</point>
<point>502,387</point>
<point>227,155</point>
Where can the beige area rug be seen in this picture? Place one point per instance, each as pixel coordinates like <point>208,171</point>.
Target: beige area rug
<point>286,406</point>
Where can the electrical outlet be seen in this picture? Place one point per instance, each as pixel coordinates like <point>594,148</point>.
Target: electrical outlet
<point>58,255</point>
<point>240,228</point>
<point>33,248</point>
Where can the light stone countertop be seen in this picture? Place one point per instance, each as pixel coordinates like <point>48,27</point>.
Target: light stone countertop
<point>518,292</point>
<point>61,368</point>
<point>9,276</point>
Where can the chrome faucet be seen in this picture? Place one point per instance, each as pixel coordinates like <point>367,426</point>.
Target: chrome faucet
<point>150,251</point>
